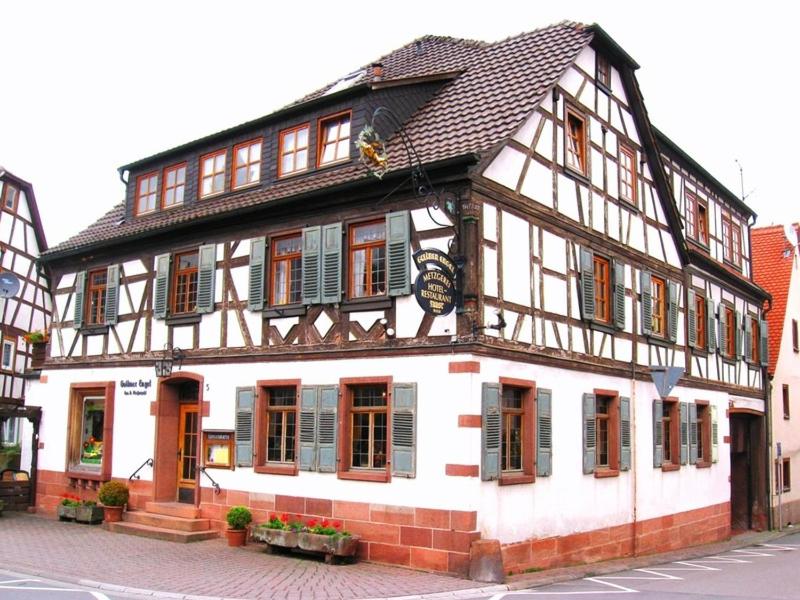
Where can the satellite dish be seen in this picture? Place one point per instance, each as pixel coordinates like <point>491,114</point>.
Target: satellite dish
<point>9,285</point>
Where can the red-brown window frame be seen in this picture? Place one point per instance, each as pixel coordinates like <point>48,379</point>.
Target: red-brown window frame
<point>783,467</point>
<point>77,392</point>
<point>786,403</point>
<point>352,247</point>
<point>344,470</point>
<point>138,194</point>
<point>273,263</point>
<point>260,462</point>
<point>701,321</point>
<point>176,274</point>
<point>672,406</point>
<point>6,190</point>
<point>659,312</point>
<point>321,122</point>
<point>755,340</point>
<point>13,345</point>
<point>202,174</point>
<point>570,112</point>
<point>701,220</point>
<point>730,332</point>
<point>630,153</point>
<point>166,187</point>
<point>703,433</point>
<point>613,418</point>
<point>235,164</point>
<point>527,474</point>
<point>281,153</point>
<point>98,317</point>
<point>732,251</point>
<point>603,68</point>
<point>795,336</point>
<point>602,289</point>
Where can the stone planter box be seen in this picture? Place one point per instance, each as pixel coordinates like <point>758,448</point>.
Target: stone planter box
<point>331,546</point>
<point>89,514</point>
<point>66,513</point>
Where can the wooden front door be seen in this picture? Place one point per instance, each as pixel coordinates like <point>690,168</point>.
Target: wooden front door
<point>188,440</point>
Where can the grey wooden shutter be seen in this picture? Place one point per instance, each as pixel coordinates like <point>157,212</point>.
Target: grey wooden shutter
<point>311,265</point>
<point>711,328</point>
<point>491,423</point>
<point>162,286</point>
<point>723,330</point>
<point>587,284</point>
<point>619,295</point>
<point>404,417</point>
<point>672,311</point>
<point>245,399</point>
<point>398,241</point>
<point>544,432</point>
<point>692,433</point>
<point>691,318</point>
<point>624,433</point>
<point>737,347</point>
<point>308,427</point>
<point>255,287</point>
<point>684,433</point>
<point>658,433</point>
<point>748,339</point>
<point>80,291</point>
<point>589,433</point>
<point>647,302</point>
<point>714,435</point>
<point>332,263</point>
<point>111,309</point>
<point>327,428</point>
<point>763,353</point>
<point>206,274</point>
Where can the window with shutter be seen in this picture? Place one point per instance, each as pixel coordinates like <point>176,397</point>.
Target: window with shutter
<point>80,290</point>
<point>517,437</point>
<point>276,425</point>
<point>332,263</point>
<point>544,432</point>
<point>367,252</point>
<point>658,433</point>
<point>693,438</point>
<point>624,433</point>
<point>763,343</point>
<point>366,437</point>
<point>587,284</point>
<point>245,401</point>
<point>672,311</point>
<point>404,418</point>
<point>607,432</point>
<point>645,282</point>
<point>684,412</point>
<point>111,308</point>
<point>705,433</point>
<point>619,294</point>
<point>160,297</point>
<point>206,275</point>
<point>398,226</point>
<point>255,283</point>
<point>670,434</point>
<point>491,423</point>
<point>309,401</point>
<point>312,265</point>
<point>286,268</point>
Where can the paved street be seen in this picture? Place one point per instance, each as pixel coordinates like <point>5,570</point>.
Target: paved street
<point>23,587</point>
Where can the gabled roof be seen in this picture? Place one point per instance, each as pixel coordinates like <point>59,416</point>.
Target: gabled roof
<point>493,87</point>
<point>36,219</point>
<point>773,256</point>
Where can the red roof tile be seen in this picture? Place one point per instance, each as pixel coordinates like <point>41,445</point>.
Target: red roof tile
<point>772,270</point>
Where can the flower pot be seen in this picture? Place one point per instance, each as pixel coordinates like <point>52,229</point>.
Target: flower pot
<point>112,514</point>
<point>89,514</point>
<point>236,537</point>
<point>66,513</point>
<point>38,354</point>
<point>336,545</point>
<point>276,537</point>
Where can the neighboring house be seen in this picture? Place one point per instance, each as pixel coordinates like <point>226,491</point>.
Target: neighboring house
<point>307,378</point>
<point>28,305</point>
<point>776,268</point>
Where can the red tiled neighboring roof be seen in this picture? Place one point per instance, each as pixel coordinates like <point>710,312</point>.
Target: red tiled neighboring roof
<point>772,270</point>
<point>499,84</point>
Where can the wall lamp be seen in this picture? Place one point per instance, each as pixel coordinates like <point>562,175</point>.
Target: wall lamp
<point>501,323</point>
<point>164,364</point>
<point>389,330</point>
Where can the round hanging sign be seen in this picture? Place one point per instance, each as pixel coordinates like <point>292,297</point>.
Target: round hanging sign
<point>435,292</point>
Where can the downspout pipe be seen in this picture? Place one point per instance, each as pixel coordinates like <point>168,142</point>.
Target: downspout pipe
<point>766,384</point>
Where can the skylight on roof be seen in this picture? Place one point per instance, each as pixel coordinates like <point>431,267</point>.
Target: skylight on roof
<point>343,83</point>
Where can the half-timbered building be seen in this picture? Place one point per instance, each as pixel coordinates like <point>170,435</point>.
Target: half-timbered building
<point>576,405</point>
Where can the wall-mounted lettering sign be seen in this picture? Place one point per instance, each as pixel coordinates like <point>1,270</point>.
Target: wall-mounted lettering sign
<point>431,257</point>
<point>138,387</point>
<point>218,449</point>
<point>435,293</point>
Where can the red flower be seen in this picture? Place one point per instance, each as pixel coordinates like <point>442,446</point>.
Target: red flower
<point>298,517</point>
<point>312,523</point>
<point>273,516</point>
<point>285,518</point>
<point>337,524</point>
<point>325,522</point>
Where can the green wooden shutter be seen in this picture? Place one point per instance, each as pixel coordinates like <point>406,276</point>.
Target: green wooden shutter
<point>647,302</point>
<point>162,286</point>
<point>737,348</point>
<point>624,433</point>
<point>491,422</point>
<point>404,417</point>
<point>714,435</point>
<point>684,433</point>
<point>763,332</point>
<point>711,326</point>
<point>255,288</point>
<point>658,433</point>
<point>245,399</point>
<point>308,427</point>
<point>111,309</point>
<point>332,263</point>
<point>748,339</point>
<point>206,273</point>
<point>589,433</point>
<point>691,318</point>
<point>80,290</point>
<point>544,432</point>
<point>723,330</point>
<point>672,311</point>
<point>398,242</point>
<point>327,428</point>
<point>692,433</point>
<point>587,284</point>
<point>311,265</point>
<point>619,294</point>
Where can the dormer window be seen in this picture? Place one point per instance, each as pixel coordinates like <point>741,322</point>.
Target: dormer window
<point>247,167</point>
<point>293,150</point>
<point>334,139</point>
<point>212,174</point>
<point>174,186</point>
<point>146,193</point>
<point>603,71</point>
<point>575,141</point>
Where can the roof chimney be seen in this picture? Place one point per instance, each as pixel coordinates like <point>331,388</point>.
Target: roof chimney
<point>377,70</point>
<point>418,47</point>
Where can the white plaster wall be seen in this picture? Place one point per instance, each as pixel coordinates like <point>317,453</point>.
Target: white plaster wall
<point>516,259</point>
<point>506,168</point>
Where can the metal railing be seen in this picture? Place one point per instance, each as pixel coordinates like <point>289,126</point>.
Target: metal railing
<point>214,484</point>
<point>135,475</point>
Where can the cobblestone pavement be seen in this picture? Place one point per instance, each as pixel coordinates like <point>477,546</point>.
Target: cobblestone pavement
<point>90,555</point>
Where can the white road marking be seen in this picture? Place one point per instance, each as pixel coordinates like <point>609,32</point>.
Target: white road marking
<point>97,595</point>
<point>749,552</point>
<point>787,547</point>
<point>648,571</point>
<point>17,581</point>
<point>618,589</point>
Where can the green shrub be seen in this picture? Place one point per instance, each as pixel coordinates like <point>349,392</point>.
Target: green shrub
<point>113,493</point>
<point>239,517</point>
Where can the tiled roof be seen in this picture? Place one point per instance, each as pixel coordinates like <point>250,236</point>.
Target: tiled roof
<point>499,84</point>
<point>772,270</point>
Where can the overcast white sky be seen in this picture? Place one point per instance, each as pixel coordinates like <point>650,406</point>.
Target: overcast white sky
<point>86,87</point>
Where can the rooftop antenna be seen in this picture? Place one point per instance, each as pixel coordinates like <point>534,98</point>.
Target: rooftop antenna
<point>741,181</point>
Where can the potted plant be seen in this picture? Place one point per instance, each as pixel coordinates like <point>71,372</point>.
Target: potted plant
<point>88,512</point>
<point>113,495</point>
<point>323,537</point>
<point>238,517</point>
<point>67,507</point>
<point>38,340</point>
